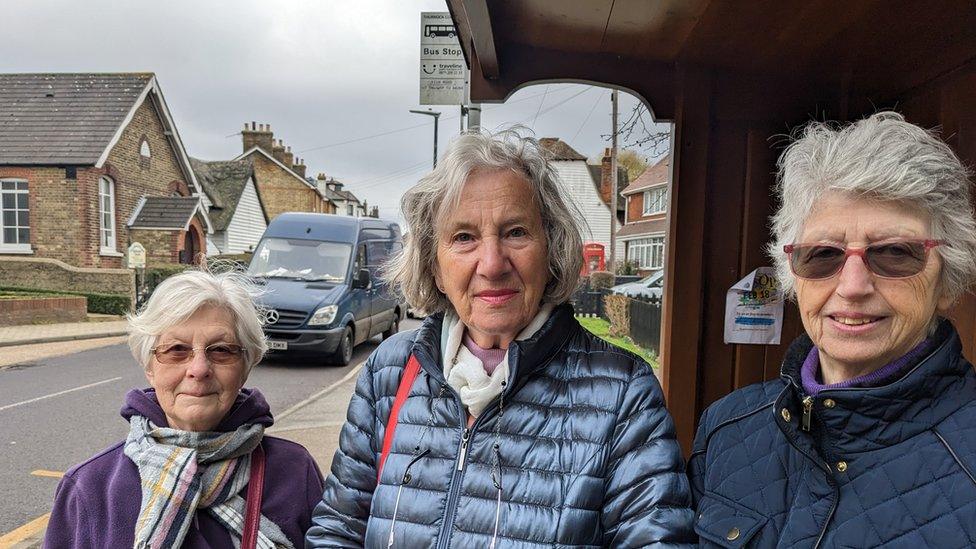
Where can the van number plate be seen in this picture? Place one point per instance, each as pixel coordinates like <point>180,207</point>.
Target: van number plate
<point>277,345</point>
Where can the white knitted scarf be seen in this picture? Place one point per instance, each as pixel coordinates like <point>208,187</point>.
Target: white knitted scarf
<point>466,374</point>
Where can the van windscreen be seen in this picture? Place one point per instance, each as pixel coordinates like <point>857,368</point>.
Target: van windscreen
<point>301,259</point>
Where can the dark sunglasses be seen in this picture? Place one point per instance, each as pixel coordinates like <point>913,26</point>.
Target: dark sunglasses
<point>890,259</point>
<point>218,353</point>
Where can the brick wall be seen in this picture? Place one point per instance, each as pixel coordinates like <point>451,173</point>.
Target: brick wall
<point>51,274</point>
<point>15,312</point>
<point>282,192</point>
<point>161,246</point>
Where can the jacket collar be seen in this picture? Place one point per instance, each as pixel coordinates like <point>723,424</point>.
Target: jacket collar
<point>862,419</point>
<point>524,357</point>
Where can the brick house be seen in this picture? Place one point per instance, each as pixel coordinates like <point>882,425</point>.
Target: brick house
<point>644,231</point>
<point>80,156</point>
<point>279,177</point>
<point>588,187</point>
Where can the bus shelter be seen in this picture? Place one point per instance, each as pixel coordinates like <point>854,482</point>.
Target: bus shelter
<point>734,78</point>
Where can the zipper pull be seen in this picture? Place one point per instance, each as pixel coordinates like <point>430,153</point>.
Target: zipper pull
<point>464,450</point>
<point>807,413</point>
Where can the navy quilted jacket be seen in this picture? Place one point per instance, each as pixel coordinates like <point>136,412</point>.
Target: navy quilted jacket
<point>587,453</point>
<point>889,466</point>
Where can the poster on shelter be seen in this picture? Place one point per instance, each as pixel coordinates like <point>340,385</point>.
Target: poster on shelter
<point>754,309</point>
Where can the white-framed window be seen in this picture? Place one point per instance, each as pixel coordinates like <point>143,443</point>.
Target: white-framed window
<point>14,216</point>
<point>655,200</point>
<point>647,253</point>
<point>106,215</point>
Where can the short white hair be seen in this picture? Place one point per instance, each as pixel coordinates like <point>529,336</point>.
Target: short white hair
<point>883,158</point>
<point>411,271</point>
<point>178,297</point>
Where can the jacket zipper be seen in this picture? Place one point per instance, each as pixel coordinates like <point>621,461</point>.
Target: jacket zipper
<point>463,452</point>
<point>807,413</point>
<point>443,538</point>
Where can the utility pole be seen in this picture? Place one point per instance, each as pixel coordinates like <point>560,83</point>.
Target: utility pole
<point>436,116</point>
<point>613,187</point>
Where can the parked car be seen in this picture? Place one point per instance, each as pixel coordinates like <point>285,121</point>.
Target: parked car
<point>647,287</point>
<point>323,291</point>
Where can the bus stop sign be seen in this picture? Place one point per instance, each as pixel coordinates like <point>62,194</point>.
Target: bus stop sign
<point>442,68</point>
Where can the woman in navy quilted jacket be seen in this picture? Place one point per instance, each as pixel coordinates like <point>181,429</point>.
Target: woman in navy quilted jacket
<point>867,439</point>
<point>520,429</point>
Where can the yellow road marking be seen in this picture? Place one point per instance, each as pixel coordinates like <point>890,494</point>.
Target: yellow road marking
<point>28,530</point>
<point>43,473</point>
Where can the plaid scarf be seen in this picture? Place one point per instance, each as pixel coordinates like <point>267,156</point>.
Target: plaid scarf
<point>182,472</point>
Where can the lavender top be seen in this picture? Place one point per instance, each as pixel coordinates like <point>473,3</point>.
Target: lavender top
<point>810,371</point>
<point>490,358</point>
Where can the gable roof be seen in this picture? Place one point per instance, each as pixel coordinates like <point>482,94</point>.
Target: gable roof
<point>264,153</point>
<point>224,182</point>
<point>325,191</point>
<point>559,150</point>
<point>167,213</point>
<point>64,118</point>
<point>657,174</point>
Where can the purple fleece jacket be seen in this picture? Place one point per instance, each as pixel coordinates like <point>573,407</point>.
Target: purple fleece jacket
<point>97,502</point>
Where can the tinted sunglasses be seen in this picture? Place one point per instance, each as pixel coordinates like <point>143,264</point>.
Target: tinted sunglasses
<point>889,259</point>
<point>218,353</point>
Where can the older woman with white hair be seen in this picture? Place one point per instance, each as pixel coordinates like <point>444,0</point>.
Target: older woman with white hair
<point>501,422</point>
<point>195,469</point>
<point>866,440</point>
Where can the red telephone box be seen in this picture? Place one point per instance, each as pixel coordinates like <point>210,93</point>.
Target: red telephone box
<point>594,258</point>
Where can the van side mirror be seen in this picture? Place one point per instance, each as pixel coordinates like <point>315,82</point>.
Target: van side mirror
<point>361,280</point>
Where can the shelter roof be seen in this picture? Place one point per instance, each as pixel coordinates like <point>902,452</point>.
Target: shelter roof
<point>167,213</point>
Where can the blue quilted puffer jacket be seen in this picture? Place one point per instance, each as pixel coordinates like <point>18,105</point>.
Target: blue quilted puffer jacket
<point>889,466</point>
<point>586,453</point>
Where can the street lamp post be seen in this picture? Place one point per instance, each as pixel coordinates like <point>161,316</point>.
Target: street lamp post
<point>436,116</point>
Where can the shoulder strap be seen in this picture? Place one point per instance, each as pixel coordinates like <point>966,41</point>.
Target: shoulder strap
<point>406,382</point>
<point>252,510</point>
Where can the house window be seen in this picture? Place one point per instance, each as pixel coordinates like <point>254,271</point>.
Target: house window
<point>14,216</point>
<point>647,253</point>
<point>349,209</point>
<point>144,154</point>
<point>106,214</point>
<point>655,200</point>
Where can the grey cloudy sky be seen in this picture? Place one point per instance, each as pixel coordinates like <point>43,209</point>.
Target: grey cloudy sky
<point>320,72</point>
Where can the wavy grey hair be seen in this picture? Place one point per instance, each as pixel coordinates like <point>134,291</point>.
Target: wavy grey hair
<point>881,157</point>
<point>181,295</point>
<point>411,271</point>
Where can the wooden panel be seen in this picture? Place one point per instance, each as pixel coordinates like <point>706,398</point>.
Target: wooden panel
<point>680,337</point>
<point>723,207</point>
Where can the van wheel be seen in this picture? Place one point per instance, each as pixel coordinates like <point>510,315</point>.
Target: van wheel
<point>343,353</point>
<point>394,327</point>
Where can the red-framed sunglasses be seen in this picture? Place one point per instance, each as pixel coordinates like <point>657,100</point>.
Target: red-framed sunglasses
<point>889,259</point>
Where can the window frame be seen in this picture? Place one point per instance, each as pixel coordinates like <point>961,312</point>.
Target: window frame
<point>647,252</point>
<point>112,248</point>
<point>15,247</point>
<point>658,206</point>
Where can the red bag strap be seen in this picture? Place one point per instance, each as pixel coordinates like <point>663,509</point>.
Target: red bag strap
<point>406,382</point>
<point>252,510</point>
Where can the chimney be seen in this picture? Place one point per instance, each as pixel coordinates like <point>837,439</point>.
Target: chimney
<point>289,157</point>
<point>375,212</point>
<point>606,175</point>
<point>320,183</point>
<point>278,151</point>
<point>299,167</point>
<point>257,135</point>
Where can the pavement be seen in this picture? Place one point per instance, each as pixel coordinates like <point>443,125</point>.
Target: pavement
<point>98,326</point>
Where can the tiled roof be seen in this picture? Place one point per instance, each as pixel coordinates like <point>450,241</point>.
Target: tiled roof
<point>224,183</point>
<point>655,175</point>
<point>640,228</point>
<point>63,118</point>
<point>559,150</point>
<point>164,212</point>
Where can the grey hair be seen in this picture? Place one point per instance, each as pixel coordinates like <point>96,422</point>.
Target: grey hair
<point>178,297</point>
<point>411,271</point>
<point>885,158</point>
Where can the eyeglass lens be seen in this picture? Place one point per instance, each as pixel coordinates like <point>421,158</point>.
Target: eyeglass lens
<point>889,260</point>
<point>216,354</point>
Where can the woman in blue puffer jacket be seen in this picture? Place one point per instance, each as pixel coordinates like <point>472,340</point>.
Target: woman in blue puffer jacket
<point>867,438</point>
<point>511,426</point>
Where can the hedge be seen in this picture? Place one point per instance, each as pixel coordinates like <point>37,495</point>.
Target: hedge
<point>106,304</point>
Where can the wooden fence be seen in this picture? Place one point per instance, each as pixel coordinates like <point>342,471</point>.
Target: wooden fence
<point>645,323</point>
